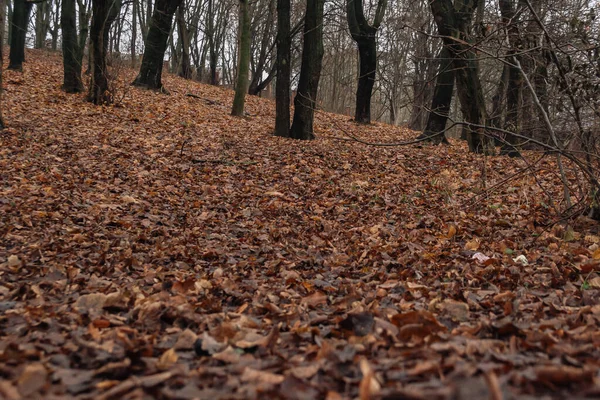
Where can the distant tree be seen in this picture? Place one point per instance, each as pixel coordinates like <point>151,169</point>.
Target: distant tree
<point>2,11</point>
<point>305,101</point>
<point>185,69</point>
<point>282,84</point>
<point>85,15</point>
<point>514,82</point>
<point>241,85</point>
<point>103,15</point>
<point>261,61</point>
<point>150,75</point>
<point>70,47</point>
<point>442,99</point>
<point>42,23</point>
<point>453,21</point>
<point>364,35</point>
<point>20,19</point>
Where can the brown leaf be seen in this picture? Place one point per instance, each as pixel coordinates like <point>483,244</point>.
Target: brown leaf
<point>90,303</point>
<point>369,385</point>
<point>167,359</point>
<point>360,324</point>
<point>257,376</point>
<point>417,323</point>
<point>315,299</point>
<point>564,375</point>
<point>186,340</point>
<point>457,310</point>
<point>32,379</point>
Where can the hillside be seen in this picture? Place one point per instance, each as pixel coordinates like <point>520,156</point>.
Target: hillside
<point>163,249</point>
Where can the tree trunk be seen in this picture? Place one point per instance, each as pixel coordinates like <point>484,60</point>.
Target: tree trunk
<point>212,45</point>
<point>2,19</point>
<point>103,15</point>
<point>368,64</point>
<point>185,70</point>
<point>134,12</point>
<point>452,21</point>
<point>305,101</point>
<point>442,99</point>
<point>364,36</point>
<point>10,19</point>
<point>70,49</point>
<point>256,83</point>
<point>84,29</point>
<point>241,86</point>
<point>514,87</point>
<point>511,123</point>
<point>156,43</point>
<point>42,23</point>
<point>282,84</point>
<point>498,99</point>
<point>20,19</point>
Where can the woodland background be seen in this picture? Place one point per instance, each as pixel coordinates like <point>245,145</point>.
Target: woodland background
<point>153,245</point>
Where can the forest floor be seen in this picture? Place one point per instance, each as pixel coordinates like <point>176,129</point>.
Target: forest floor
<point>161,248</point>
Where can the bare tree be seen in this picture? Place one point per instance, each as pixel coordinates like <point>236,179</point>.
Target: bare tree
<point>364,35</point>
<point>241,85</point>
<point>305,101</point>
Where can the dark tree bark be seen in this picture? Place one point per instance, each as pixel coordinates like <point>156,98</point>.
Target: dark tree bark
<point>85,14</point>
<point>185,69</point>
<point>257,84</point>
<point>2,19</point>
<point>213,33</point>
<point>514,86</point>
<point>21,12</point>
<point>10,19</point>
<point>103,15</point>
<point>305,101</point>
<point>257,90</point>
<point>442,99</point>
<point>42,23</point>
<point>364,36</point>
<point>282,85</point>
<point>72,63</point>
<point>150,75</point>
<point>498,100</point>
<point>452,21</point>
<point>241,85</point>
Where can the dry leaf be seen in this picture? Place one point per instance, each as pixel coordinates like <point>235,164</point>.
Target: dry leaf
<point>369,385</point>
<point>32,379</point>
<point>167,359</point>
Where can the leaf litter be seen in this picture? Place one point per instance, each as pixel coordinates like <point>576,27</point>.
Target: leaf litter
<point>160,248</point>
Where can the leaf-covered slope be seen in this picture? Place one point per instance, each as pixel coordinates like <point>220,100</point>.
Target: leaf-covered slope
<point>165,249</point>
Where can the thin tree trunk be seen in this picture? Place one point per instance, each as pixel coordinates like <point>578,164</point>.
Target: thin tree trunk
<point>452,20</point>
<point>442,99</point>
<point>150,75</point>
<point>20,19</point>
<point>103,14</point>
<point>513,92</point>
<point>305,101</point>
<point>282,85</point>
<point>2,19</point>
<point>134,32</point>
<point>42,19</point>
<point>241,86</point>
<point>72,63</point>
<point>185,70</point>
<point>364,36</point>
<point>212,45</point>
<point>84,29</point>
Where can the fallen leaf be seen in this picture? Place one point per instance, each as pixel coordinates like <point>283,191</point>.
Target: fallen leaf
<point>32,379</point>
<point>167,359</point>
